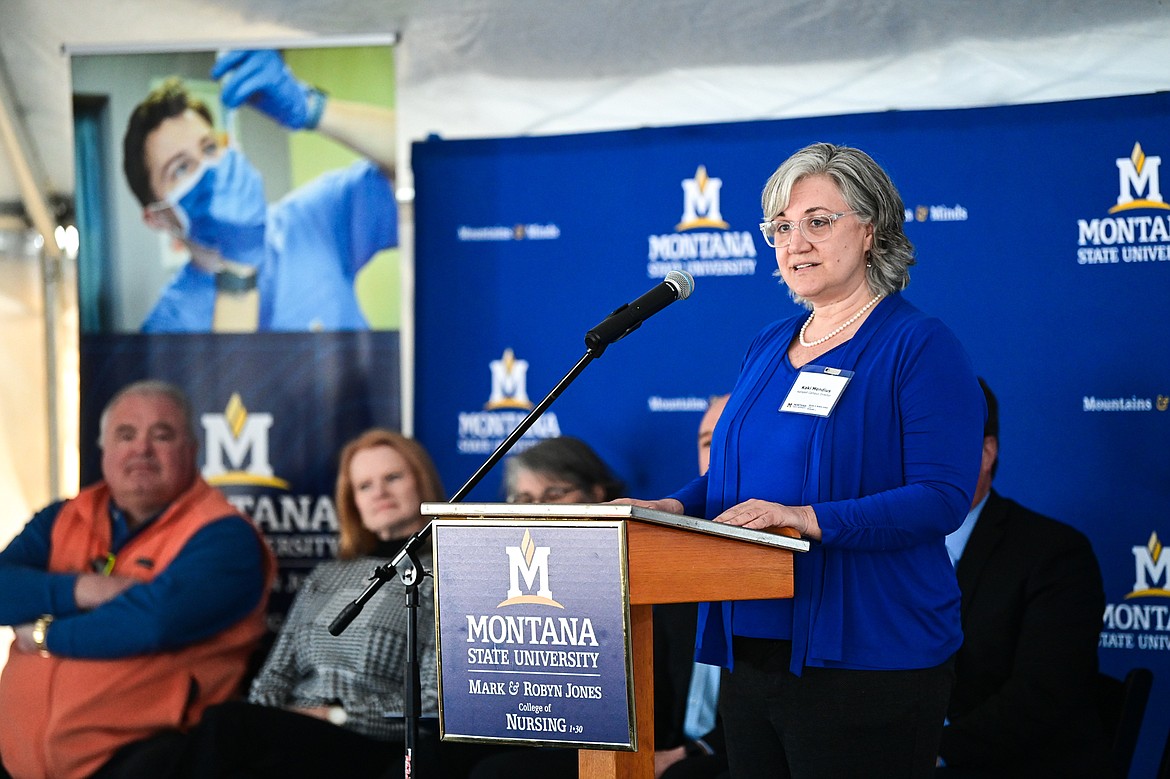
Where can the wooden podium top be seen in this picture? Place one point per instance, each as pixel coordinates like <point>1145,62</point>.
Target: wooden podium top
<point>671,558</point>
<point>610,511</point>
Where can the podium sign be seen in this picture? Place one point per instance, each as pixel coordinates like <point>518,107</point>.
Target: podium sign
<point>533,622</point>
<point>662,558</point>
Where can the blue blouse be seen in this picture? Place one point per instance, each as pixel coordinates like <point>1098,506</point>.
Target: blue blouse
<point>889,473</point>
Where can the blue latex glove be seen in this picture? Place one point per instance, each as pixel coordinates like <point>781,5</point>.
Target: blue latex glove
<point>261,79</point>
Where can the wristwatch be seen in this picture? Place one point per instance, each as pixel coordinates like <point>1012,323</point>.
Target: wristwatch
<point>40,632</point>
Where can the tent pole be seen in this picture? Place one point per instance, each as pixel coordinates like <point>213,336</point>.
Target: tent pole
<point>36,205</point>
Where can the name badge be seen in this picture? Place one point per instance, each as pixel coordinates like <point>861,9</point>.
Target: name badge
<point>816,390</point>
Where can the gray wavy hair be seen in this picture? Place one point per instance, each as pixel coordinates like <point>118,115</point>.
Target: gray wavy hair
<point>155,387</point>
<point>868,190</point>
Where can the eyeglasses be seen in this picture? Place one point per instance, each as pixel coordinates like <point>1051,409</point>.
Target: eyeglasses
<point>555,494</point>
<point>815,228</point>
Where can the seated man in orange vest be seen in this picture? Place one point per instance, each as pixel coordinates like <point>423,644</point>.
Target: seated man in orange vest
<point>135,604</point>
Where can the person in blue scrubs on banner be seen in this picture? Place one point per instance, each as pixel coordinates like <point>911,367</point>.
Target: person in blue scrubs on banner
<point>288,266</point>
<point>859,426</point>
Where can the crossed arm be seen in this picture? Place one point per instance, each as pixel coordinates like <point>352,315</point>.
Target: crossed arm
<point>215,580</point>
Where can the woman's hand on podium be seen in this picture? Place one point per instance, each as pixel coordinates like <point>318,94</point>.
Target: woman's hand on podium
<point>668,505</point>
<point>765,515</point>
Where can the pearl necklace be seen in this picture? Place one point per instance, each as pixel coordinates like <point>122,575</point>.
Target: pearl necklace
<point>822,339</point>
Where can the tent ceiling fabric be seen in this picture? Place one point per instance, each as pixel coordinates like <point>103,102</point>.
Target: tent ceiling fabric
<point>470,68</point>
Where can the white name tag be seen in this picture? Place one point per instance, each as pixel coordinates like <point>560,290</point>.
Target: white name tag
<point>816,390</point>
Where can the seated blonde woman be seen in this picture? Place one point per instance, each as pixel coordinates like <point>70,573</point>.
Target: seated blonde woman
<point>325,705</point>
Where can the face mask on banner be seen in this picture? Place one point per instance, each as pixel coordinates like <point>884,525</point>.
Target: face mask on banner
<point>222,206</point>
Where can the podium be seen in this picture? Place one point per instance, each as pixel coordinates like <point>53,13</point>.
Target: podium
<point>670,559</point>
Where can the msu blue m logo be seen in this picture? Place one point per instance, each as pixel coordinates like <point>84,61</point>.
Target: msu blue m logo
<point>509,383</point>
<point>1151,570</point>
<point>237,447</point>
<point>701,202</point>
<point>1138,175</point>
<point>703,243</point>
<point>530,563</point>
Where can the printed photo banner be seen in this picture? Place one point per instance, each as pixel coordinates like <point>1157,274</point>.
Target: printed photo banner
<point>236,190</point>
<point>234,243</point>
<point>1042,240</point>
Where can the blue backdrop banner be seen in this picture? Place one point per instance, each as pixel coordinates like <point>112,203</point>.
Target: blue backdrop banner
<point>1042,240</point>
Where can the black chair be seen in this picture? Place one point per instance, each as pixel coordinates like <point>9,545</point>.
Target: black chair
<point>1122,705</point>
<point>1164,766</point>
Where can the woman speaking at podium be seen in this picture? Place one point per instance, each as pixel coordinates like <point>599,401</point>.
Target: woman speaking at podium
<point>859,425</point>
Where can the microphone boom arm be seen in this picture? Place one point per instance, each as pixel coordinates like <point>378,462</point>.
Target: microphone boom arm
<point>405,564</point>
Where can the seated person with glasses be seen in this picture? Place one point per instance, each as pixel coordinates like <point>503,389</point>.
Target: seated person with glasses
<point>556,470</point>
<point>559,470</point>
<point>567,470</point>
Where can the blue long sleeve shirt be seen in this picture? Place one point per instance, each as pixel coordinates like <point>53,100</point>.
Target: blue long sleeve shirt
<point>215,581</point>
<point>889,473</point>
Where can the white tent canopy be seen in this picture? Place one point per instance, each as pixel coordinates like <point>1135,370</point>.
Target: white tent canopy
<point>512,67</point>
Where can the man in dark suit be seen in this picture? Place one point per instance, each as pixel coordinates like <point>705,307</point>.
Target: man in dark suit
<point>1024,699</point>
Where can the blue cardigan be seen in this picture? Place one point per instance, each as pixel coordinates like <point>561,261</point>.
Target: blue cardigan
<point>889,473</point>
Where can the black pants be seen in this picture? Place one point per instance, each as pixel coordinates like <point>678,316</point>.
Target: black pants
<point>237,740</point>
<point>243,741</point>
<point>158,755</point>
<point>240,741</point>
<point>829,723</point>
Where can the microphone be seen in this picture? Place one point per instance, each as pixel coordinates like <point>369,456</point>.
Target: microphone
<point>677,285</point>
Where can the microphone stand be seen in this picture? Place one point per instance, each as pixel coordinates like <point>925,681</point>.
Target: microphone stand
<point>406,566</point>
